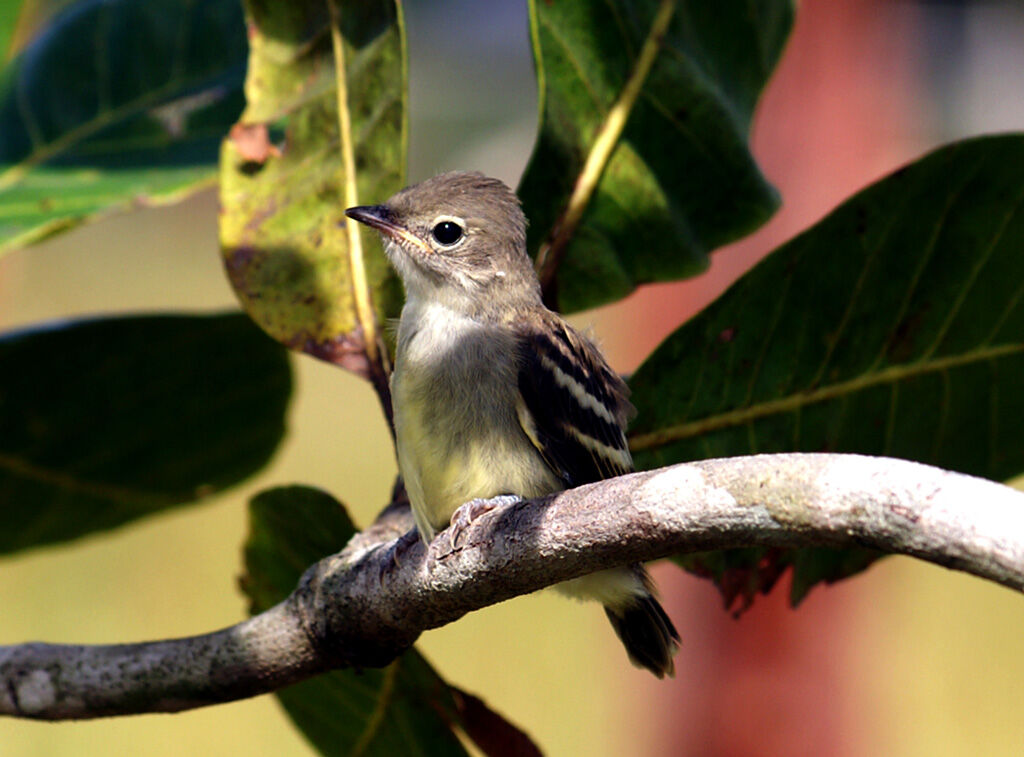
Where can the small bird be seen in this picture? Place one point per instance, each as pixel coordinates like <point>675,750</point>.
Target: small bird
<point>494,395</point>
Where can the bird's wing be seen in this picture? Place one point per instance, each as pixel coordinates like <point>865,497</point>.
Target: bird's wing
<point>572,406</point>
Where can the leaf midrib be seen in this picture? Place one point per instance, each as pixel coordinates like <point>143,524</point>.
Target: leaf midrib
<point>43,151</point>
<point>384,697</point>
<point>603,144</point>
<point>793,402</point>
<point>21,468</point>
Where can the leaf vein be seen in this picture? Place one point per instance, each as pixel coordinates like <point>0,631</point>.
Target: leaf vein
<point>73,484</point>
<point>571,57</point>
<point>855,294</point>
<point>915,279</point>
<point>841,389</point>
<point>766,341</point>
<point>972,276</point>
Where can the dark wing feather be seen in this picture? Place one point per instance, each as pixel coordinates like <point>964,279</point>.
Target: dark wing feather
<point>581,439</point>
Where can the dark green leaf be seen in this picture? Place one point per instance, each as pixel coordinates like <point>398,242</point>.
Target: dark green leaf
<point>405,708</point>
<point>115,103</point>
<point>739,574</point>
<point>680,180</point>
<point>742,574</point>
<point>893,327</point>
<point>401,709</point>
<point>106,421</point>
<point>372,712</point>
<point>290,528</point>
<point>283,193</point>
<point>823,564</point>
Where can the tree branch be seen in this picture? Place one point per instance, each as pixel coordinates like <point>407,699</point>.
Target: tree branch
<point>360,608</point>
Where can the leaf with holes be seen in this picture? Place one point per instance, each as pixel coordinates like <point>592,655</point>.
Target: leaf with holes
<point>641,167</point>
<point>106,421</point>
<point>406,708</point>
<point>114,104</point>
<point>893,327</point>
<point>324,126</point>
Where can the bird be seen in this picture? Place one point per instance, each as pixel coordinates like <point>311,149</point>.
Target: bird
<point>496,397</point>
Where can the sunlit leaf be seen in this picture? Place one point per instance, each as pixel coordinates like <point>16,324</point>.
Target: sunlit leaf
<point>680,180</point>
<point>283,192</point>
<point>9,13</point>
<point>24,19</point>
<point>115,103</point>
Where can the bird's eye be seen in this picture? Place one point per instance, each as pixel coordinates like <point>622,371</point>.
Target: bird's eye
<point>447,233</point>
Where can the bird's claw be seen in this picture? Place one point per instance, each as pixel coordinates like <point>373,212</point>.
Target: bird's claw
<point>395,550</point>
<point>470,511</point>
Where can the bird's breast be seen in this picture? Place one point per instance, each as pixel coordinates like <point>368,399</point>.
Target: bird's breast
<point>458,436</point>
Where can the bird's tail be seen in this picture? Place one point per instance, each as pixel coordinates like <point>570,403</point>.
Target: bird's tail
<point>647,633</point>
<point>628,596</point>
<point>639,620</point>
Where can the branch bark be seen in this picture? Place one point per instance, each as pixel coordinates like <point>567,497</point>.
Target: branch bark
<point>362,608</point>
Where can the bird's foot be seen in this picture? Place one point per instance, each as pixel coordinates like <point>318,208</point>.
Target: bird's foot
<point>395,550</point>
<point>470,511</point>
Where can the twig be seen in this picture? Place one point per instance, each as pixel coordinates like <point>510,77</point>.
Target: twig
<point>359,608</point>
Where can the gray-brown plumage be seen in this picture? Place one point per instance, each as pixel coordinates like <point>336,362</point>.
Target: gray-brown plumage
<point>493,393</point>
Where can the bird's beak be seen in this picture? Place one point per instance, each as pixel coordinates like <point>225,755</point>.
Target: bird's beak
<point>379,217</point>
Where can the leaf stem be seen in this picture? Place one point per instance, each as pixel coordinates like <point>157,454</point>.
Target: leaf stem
<point>360,287</point>
<point>607,138</point>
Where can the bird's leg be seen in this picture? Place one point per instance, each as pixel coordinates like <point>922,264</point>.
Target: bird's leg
<point>470,511</point>
<point>395,550</point>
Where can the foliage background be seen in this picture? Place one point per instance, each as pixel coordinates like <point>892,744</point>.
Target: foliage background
<point>913,660</point>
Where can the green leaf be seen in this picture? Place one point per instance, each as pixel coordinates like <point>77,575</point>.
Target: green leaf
<point>739,574</point>
<point>815,565</point>
<point>290,528</point>
<point>285,182</point>
<point>9,13</point>
<point>106,421</point>
<point>20,21</point>
<point>893,327</point>
<point>113,104</point>
<point>406,708</point>
<point>679,180</point>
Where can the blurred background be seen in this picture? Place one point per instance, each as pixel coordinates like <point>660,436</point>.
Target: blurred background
<point>906,659</point>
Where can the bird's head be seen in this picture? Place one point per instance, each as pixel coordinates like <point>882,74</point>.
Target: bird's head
<point>459,237</point>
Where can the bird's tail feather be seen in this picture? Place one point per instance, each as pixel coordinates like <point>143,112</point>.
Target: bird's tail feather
<point>647,633</point>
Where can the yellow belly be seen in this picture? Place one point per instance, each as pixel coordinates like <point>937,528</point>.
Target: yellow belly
<point>439,477</point>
